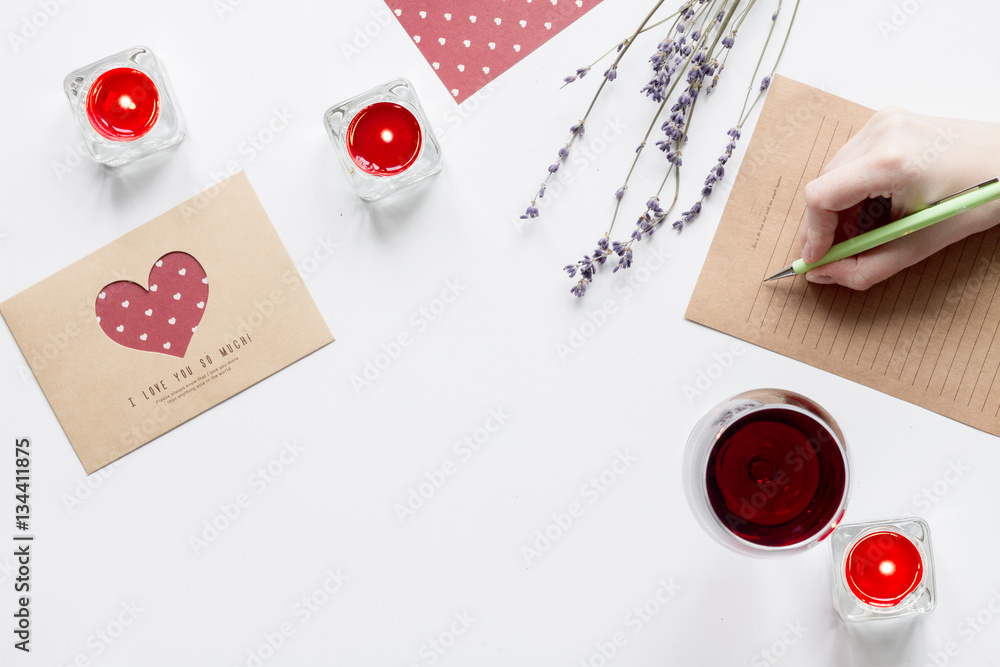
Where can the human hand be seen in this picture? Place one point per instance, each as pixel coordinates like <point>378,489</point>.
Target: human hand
<point>914,160</point>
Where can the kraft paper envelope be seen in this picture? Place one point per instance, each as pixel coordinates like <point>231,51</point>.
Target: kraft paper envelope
<point>927,335</point>
<point>166,322</point>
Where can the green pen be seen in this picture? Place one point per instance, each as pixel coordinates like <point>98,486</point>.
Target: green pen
<point>950,206</point>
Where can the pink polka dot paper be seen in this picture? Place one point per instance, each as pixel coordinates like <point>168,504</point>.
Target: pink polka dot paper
<point>471,43</point>
<point>162,317</point>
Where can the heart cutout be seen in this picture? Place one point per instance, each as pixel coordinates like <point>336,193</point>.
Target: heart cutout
<point>149,326</point>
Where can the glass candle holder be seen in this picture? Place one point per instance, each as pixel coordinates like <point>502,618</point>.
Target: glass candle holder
<point>384,140</point>
<point>766,472</point>
<point>883,569</point>
<point>124,106</point>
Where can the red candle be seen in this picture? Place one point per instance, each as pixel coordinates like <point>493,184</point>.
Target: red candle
<point>123,104</point>
<point>384,139</point>
<point>883,568</point>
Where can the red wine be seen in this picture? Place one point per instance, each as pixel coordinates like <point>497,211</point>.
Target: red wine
<point>776,477</point>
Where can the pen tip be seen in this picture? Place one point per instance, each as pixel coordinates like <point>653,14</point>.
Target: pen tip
<point>784,273</point>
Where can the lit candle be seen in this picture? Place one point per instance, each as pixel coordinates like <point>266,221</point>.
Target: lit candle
<point>123,104</point>
<point>883,568</point>
<point>384,139</point>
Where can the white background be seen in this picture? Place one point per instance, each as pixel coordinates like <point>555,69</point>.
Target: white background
<point>122,539</point>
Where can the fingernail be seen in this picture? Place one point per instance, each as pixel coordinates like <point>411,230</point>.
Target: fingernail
<point>807,252</point>
<point>819,280</point>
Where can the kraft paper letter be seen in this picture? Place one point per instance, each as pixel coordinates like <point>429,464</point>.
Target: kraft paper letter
<point>166,322</point>
<point>928,335</point>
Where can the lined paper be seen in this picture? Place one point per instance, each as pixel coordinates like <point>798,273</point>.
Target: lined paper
<point>928,335</point>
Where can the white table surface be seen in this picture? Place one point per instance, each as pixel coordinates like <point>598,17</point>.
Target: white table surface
<point>115,578</point>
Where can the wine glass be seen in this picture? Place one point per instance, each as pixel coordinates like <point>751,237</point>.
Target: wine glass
<point>766,472</point>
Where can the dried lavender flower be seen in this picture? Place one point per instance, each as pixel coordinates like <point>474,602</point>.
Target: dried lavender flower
<point>580,73</point>
<point>625,261</point>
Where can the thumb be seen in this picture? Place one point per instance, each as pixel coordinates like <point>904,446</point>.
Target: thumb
<point>873,266</point>
<point>838,190</point>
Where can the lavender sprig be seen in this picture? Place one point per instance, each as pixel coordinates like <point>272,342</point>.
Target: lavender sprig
<point>587,266</point>
<point>715,174</point>
<point>679,55</point>
<point>734,133</point>
<point>577,130</point>
<point>617,48</point>
<point>691,55</point>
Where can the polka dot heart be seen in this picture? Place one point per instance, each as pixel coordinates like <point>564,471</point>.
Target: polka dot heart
<point>162,318</point>
<point>472,43</point>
